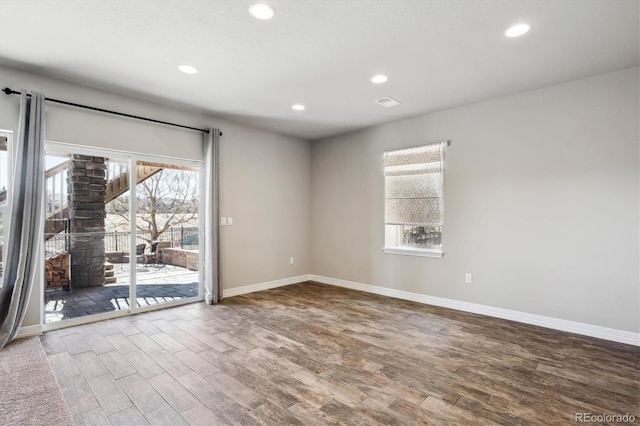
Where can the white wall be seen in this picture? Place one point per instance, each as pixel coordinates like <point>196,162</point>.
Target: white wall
<point>264,177</point>
<point>541,195</point>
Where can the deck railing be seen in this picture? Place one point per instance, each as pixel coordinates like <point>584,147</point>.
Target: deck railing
<point>186,237</point>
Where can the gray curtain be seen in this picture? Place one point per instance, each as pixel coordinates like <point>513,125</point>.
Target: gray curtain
<point>212,285</point>
<point>25,217</point>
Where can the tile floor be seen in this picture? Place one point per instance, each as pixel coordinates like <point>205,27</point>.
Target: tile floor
<point>312,354</point>
<point>136,370</point>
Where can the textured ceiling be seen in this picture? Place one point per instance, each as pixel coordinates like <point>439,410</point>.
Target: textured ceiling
<point>437,54</point>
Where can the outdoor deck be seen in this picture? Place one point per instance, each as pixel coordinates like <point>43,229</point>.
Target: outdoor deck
<point>156,285</point>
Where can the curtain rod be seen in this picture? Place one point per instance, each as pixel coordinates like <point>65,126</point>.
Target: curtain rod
<point>8,91</point>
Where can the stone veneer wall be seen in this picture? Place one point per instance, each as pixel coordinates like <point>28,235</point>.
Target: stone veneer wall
<point>184,258</point>
<point>87,186</point>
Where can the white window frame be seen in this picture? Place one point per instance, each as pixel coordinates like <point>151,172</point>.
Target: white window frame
<point>4,208</point>
<point>415,250</point>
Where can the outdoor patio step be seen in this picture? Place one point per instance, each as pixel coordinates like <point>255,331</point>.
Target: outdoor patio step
<point>109,273</point>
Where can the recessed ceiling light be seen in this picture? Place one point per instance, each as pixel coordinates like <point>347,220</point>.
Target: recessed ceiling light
<point>298,107</point>
<point>517,30</point>
<point>188,69</point>
<point>261,11</point>
<point>378,79</point>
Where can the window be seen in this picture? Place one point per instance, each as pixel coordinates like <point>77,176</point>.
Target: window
<point>5,164</point>
<point>414,200</point>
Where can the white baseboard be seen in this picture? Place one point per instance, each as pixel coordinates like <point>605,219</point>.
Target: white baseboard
<point>605,333</point>
<point>28,331</point>
<point>236,291</point>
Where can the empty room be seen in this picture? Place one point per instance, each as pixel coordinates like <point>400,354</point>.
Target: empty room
<point>367,212</point>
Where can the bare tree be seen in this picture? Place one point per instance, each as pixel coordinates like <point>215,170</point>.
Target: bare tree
<point>166,199</point>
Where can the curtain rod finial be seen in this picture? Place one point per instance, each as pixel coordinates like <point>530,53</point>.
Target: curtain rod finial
<point>7,91</point>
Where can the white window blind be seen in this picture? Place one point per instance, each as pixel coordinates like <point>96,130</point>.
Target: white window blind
<point>414,196</point>
<point>414,186</point>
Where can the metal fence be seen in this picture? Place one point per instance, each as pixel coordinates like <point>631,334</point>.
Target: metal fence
<point>186,237</point>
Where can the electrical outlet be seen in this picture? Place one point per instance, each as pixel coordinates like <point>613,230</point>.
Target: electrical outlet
<point>291,260</point>
<point>229,221</point>
<point>223,221</point>
<point>468,278</point>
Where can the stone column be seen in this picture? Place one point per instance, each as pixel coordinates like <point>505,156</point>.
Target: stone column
<point>87,186</point>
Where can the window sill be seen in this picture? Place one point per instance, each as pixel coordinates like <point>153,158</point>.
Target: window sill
<point>410,251</point>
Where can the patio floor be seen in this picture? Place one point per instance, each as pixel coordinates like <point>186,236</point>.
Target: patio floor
<point>156,284</point>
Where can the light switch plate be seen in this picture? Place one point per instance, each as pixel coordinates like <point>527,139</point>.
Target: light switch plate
<point>223,221</point>
<point>229,221</point>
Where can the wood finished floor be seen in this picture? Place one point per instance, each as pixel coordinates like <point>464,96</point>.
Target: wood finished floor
<point>316,354</point>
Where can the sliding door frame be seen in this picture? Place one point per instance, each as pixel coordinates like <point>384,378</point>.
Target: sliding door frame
<point>133,158</point>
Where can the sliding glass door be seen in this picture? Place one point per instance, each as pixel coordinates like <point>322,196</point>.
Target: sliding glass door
<point>121,233</point>
<point>167,232</point>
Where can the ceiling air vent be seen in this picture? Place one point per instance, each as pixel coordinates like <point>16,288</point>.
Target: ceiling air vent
<point>387,102</point>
